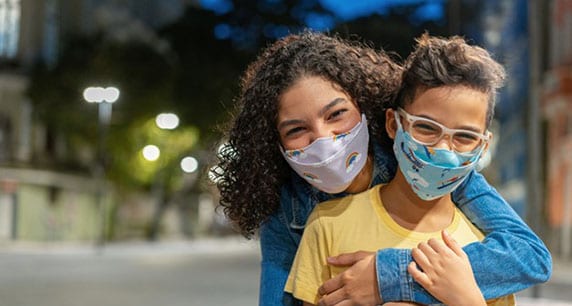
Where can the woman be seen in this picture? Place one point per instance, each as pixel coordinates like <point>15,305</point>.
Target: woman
<point>262,188</point>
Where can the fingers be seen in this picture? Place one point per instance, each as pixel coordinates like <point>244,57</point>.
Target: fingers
<point>418,275</point>
<point>452,243</point>
<point>347,259</point>
<point>336,298</point>
<point>420,258</point>
<point>331,285</point>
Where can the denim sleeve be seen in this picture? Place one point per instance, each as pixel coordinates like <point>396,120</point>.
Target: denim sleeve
<point>278,251</point>
<point>511,258</point>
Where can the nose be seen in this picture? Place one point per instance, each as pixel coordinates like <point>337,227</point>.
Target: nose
<point>323,131</point>
<point>445,143</point>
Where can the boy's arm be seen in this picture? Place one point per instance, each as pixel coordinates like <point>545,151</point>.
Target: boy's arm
<point>509,245</point>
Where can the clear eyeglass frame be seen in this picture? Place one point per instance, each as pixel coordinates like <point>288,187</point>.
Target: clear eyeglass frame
<point>470,142</point>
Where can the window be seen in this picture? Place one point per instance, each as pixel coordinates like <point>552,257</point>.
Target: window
<point>9,27</point>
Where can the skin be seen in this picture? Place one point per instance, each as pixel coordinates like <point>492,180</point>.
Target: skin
<point>453,106</point>
<point>313,108</point>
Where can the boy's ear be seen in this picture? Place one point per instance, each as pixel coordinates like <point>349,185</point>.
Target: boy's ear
<point>390,123</point>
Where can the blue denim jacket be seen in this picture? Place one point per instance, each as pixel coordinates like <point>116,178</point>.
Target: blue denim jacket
<point>510,259</point>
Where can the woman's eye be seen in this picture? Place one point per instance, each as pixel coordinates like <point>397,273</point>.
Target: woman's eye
<point>337,113</point>
<point>293,131</point>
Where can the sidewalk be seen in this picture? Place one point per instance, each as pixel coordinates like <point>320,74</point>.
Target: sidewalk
<point>206,245</point>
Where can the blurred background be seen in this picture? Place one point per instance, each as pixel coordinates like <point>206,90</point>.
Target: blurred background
<point>110,116</point>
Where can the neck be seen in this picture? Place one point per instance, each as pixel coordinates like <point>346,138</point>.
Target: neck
<point>363,179</point>
<point>413,213</point>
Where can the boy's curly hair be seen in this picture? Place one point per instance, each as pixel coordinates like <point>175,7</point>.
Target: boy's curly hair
<point>251,168</point>
<point>438,61</point>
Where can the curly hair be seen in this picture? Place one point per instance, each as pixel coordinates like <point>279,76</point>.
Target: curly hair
<point>251,168</point>
<point>450,61</point>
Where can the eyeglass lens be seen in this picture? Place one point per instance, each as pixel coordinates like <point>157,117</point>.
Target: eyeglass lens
<point>429,133</point>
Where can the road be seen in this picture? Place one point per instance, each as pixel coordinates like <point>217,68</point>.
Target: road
<point>208,272</point>
<point>133,275</point>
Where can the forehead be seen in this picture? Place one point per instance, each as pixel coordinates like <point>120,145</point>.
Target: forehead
<point>457,105</point>
<point>309,93</point>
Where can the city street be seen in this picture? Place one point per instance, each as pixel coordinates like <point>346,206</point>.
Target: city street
<point>203,272</point>
<point>173,274</point>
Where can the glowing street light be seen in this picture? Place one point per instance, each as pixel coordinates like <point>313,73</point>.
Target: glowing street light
<point>189,164</point>
<point>151,152</point>
<point>167,121</point>
<point>100,94</point>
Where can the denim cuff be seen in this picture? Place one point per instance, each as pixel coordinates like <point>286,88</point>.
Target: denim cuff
<point>395,283</point>
<point>392,283</point>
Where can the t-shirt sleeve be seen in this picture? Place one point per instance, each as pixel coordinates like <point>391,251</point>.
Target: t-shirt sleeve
<point>310,270</point>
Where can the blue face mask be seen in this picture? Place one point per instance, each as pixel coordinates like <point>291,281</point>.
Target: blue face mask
<point>431,172</point>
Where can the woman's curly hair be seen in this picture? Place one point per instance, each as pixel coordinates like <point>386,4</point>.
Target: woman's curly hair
<point>251,168</point>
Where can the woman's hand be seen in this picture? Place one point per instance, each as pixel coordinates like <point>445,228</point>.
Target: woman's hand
<point>355,286</point>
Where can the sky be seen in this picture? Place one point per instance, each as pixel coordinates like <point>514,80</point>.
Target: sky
<point>351,9</point>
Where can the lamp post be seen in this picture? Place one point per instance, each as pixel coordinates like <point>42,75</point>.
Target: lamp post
<point>104,98</point>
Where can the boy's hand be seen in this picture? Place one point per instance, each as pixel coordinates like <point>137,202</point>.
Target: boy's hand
<point>445,272</point>
<point>355,286</point>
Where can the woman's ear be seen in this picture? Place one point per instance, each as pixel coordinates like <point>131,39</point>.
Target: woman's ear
<point>390,123</point>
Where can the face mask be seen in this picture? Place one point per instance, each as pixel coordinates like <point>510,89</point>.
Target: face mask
<point>431,172</point>
<point>331,163</point>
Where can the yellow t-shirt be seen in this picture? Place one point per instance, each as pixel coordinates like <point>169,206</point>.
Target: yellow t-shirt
<point>359,222</point>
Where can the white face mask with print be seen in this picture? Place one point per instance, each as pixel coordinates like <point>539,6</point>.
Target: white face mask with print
<point>331,163</point>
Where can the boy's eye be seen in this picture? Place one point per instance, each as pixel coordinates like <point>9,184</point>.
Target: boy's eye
<point>465,137</point>
<point>425,127</point>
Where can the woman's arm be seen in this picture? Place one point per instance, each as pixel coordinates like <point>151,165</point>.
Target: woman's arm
<point>510,259</point>
<point>278,249</point>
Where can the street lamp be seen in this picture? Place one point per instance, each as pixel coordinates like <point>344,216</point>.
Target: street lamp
<point>104,97</point>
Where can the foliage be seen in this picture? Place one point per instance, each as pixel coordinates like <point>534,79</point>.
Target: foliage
<point>144,76</point>
<point>173,144</point>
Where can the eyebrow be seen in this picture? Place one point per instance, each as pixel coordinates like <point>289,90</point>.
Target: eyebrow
<point>324,109</point>
<point>334,102</point>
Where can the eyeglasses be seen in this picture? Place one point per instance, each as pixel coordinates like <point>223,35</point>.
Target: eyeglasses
<point>429,132</point>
